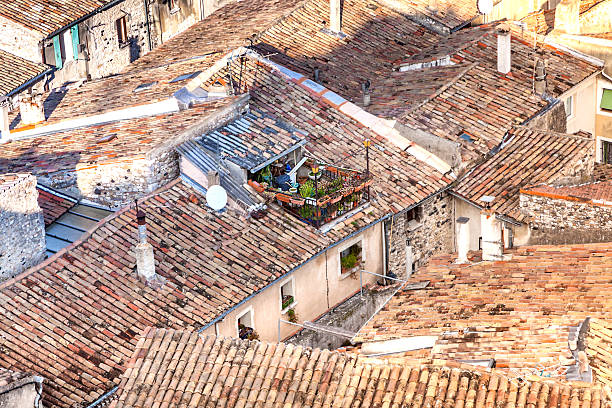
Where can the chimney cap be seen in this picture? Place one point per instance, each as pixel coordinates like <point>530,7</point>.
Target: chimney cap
<point>141,217</point>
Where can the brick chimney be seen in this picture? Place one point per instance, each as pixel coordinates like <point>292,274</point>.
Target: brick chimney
<point>4,120</point>
<point>491,232</point>
<point>504,50</point>
<point>335,16</point>
<point>31,109</point>
<point>145,262</point>
<point>463,239</point>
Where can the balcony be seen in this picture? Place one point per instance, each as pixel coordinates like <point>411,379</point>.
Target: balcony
<point>317,197</point>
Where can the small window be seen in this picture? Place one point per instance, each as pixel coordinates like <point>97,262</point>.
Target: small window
<point>606,100</point>
<point>122,34</point>
<point>287,295</point>
<point>246,331</point>
<point>569,106</point>
<point>606,152</point>
<point>351,259</point>
<point>413,218</point>
<point>467,137</point>
<point>144,87</point>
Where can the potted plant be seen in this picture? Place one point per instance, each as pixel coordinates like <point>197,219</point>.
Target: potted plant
<point>307,189</point>
<point>265,175</point>
<point>292,316</point>
<point>287,301</point>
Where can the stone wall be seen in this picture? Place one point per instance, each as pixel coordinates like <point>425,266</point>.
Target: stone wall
<point>19,40</point>
<point>415,242</point>
<point>21,225</point>
<point>168,23</point>
<point>558,221</point>
<point>551,119</point>
<point>21,394</point>
<point>106,55</point>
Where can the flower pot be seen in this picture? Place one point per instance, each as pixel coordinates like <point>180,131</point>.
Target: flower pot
<point>293,190</point>
<point>311,175</point>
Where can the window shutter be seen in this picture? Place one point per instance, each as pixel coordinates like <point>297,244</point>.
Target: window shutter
<point>74,30</point>
<point>606,99</point>
<point>58,52</point>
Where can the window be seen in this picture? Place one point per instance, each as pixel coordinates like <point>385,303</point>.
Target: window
<point>287,296</point>
<point>569,106</point>
<point>351,259</point>
<point>413,218</point>
<point>245,324</point>
<point>606,152</point>
<point>174,6</point>
<point>606,100</point>
<point>122,34</point>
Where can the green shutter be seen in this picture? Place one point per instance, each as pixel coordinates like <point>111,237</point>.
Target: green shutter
<point>606,99</point>
<point>58,52</point>
<point>74,30</point>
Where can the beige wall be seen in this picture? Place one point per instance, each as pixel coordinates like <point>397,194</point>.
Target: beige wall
<point>19,40</point>
<point>603,121</point>
<point>318,286</point>
<point>583,109</point>
<point>511,10</point>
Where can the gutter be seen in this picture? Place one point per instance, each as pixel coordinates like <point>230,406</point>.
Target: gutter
<point>31,81</point>
<point>85,17</point>
<point>104,397</point>
<point>284,276</point>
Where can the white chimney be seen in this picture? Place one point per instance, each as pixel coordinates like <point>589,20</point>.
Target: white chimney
<point>491,232</point>
<point>335,16</point>
<point>31,109</point>
<point>145,262</point>
<point>4,120</point>
<point>504,50</point>
<point>463,239</point>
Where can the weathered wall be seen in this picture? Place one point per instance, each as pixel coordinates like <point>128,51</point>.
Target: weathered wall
<point>21,227</point>
<point>597,20</point>
<point>558,221</point>
<point>417,243</point>
<point>583,117</point>
<point>22,395</point>
<point>318,287</point>
<point>20,41</point>
<point>168,23</point>
<point>106,55</point>
<point>552,119</point>
<point>350,315</point>
<point>511,10</point>
<point>447,150</point>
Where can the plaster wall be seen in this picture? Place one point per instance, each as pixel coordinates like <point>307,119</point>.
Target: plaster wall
<point>20,396</point>
<point>603,120</point>
<point>19,40</point>
<point>318,286</point>
<point>168,23</point>
<point>584,107</point>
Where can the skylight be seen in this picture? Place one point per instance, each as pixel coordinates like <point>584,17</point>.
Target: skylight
<point>144,87</point>
<point>185,76</point>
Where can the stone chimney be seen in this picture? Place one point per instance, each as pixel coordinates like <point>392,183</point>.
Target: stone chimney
<point>504,50</point>
<point>567,16</point>
<point>31,109</point>
<point>463,239</point>
<point>4,120</point>
<point>491,232</point>
<point>335,16</point>
<point>365,89</point>
<point>213,178</point>
<point>145,262</point>
<point>539,85</point>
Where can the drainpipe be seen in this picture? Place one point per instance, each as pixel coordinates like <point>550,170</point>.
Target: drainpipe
<point>146,9</point>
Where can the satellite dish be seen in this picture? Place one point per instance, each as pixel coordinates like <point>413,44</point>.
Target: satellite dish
<point>216,197</point>
<point>485,6</point>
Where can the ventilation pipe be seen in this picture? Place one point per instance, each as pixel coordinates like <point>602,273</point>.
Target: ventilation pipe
<point>463,239</point>
<point>212,177</point>
<point>491,231</point>
<point>365,88</point>
<point>539,85</point>
<point>4,120</point>
<point>335,16</point>
<point>504,50</point>
<point>316,75</point>
<point>145,262</point>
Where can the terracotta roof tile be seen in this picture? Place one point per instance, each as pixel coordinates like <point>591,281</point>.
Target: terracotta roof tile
<point>53,205</point>
<point>234,373</point>
<point>47,16</point>
<point>599,350</point>
<point>16,71</point>
<point>529,157</point>
<point>518,311</point>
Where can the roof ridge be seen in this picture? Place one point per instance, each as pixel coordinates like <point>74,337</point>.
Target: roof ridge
<point>86,235</point>
<point>553,133</point>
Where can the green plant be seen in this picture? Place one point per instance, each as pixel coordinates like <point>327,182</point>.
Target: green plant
<point>287,301</point>
<point>307,189</point>
<point>305,211</point>
<point>265,175</point>
<point>292,316</point>
<point>349,261</point>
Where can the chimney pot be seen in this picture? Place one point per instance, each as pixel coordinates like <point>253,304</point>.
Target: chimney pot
<point>540,78</point>
<point>490,230</point>
<point>463,239</point>
<point>145,261</point>
<point>213,178</point>
<point>316,75</point>
<point>335,16</point>
<point>504,51</point>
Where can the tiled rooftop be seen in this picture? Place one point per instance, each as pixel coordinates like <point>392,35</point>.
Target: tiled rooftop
<point>53,205</point>
<point>8,377</point>
<point>599,350</point>
<point>47,16</point>
<point>16,71</point>
<point>124,140</point>
<point>518,311</point>
<point>602,171</point>
<point>181,368</point>
<point>484,103</point>
<point>598,193</point>
<point>529,157</point>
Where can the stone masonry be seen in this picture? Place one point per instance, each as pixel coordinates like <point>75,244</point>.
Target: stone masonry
<point>412,243</point>
<point>20,41</point>
<point>559,221</point>
<point>21,225</point>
